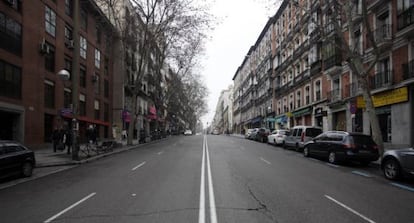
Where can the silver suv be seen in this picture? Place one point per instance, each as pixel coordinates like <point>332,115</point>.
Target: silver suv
<point>301,134</point>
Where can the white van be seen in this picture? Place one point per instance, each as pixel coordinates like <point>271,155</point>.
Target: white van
<point>301,134</point>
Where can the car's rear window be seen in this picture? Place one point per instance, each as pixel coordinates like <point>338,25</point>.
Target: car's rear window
<point>362,140</point>
<point>313,132</point>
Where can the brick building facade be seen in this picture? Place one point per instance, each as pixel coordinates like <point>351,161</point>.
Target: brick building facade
<point>36,43</point>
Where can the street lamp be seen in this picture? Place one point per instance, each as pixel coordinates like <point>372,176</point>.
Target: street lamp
<point>65,76</point>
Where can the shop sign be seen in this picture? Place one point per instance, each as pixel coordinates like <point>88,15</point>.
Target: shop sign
<point>305,111</point>
<point>386,98</point>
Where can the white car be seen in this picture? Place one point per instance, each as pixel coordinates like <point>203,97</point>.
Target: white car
<point>277,137</point>
<point>188,132</point>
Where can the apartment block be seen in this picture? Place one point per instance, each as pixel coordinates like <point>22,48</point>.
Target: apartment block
<point>36,43</point>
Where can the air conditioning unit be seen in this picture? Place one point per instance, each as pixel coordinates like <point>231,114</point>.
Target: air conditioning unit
<point>10,2</point>
<point>44,47</point>
<point>95,78</point>
<point>69,44</point>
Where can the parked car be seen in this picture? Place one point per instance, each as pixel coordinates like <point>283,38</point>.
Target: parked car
<point>15,159</point>
<point>188,132</point>
<point>343,146</point>
<point>299,135</point>
<point>248,132</point>
<point>253,134</point>
<point>216,132</point>
<point>277,137</point>
<point>398,163</point>
<point>261,134</point>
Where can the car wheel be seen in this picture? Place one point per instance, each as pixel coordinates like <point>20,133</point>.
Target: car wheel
<point>332,157</point>
<point>297,148</point>
<point>392,169</point>
<point>306,152</point>
<point>27,169</point>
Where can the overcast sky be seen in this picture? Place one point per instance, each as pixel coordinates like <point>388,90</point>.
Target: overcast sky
<point>240,26</point>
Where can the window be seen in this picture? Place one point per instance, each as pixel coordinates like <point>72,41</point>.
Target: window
<point>97,111</point>
<point>307,95</point>
<point>83,47</point>
<point>10,35</point>
<point>97,58</point>
<point>97,83</point>
<point>318,90</point>
<point>82,76</point>
<point>49,94</point>
<point>68,33</point>
<point>106,66</point>
<point>403,5</point>
<point>69,7</point>
<point>50,58</point>
<point>106,112</point>
<point>82,104</point>
<point>50,21</point>
<point>98,34</point>
<point>68,66</point>
<point>106,88</point>
<point>10,80</point>
<point>84,19</point>
<point>298,99</point>
<point>67,98</point>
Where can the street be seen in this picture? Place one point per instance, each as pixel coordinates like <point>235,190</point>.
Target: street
<point>209,178</point>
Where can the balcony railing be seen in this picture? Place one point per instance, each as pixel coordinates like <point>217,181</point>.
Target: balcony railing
<point>383,34</point>
<point>334,95</point>
<point>408,70</point>
<point>352,90</point>
<point>381,79</point>
<point>406,18</point>
<point>316,67</point>
<point>335,60</point>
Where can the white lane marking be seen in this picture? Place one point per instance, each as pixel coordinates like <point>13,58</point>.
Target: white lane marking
<point>350,209</point>
<point>262,159</point>
<point>201,210</point>
<point>70,207</point>
<point>361,173</point>
<point>134,195</point>
<point>140,165</point>
<point>332,165</point>
<point>160,153</point>
<point>213,214</point>
<point>403,186</point>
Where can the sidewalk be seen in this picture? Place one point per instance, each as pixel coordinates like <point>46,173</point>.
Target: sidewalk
<point>45,157</point>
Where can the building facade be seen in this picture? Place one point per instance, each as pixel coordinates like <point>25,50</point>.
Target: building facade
<point>312,81</point>
<point>36,43</point>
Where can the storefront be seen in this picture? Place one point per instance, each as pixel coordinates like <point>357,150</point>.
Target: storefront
<point>394,115</point>
<point>303,116</point>
<point>319,114</point>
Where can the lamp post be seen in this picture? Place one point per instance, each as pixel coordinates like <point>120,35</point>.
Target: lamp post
<point>74,76</point>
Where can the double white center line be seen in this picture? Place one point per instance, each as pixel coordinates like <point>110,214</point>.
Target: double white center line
<point>212,201</point>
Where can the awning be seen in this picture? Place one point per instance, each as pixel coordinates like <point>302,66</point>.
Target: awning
<point>281,119</point>
<point>256,120</point>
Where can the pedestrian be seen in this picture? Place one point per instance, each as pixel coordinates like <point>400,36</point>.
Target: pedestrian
<point>56,138</point>
<point>68,140</point>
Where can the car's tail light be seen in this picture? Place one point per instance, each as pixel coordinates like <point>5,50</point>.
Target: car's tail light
<point>375,147</point>
<point>349,146</point>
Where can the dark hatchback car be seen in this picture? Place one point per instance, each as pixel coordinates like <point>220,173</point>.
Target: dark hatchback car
<point>398,163</point>
<point>261,134</point>
<point>15,159</point>
<point>340,146</point>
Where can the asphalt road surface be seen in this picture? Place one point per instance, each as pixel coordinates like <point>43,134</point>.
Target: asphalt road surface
<point>208,179</point>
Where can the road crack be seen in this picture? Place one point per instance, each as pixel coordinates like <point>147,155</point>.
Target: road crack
<point>262,208</point>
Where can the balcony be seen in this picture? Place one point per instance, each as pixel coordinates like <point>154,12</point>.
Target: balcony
<point>333,64</point>
<point>408,70</point>
<point>376,4</point>
<point>334,95</point>
<point>316,68</point>
<point>352,90</point>
<point>383,37</point>
<point>381,79</point>
<point>405,21</point>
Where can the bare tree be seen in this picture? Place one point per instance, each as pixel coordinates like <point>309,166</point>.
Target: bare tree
<point>161,32</point>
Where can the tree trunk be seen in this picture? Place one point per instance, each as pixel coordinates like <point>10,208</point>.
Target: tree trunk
<point>133,120</point>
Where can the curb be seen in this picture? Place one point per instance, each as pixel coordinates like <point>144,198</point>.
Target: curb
<point>93,158</point>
